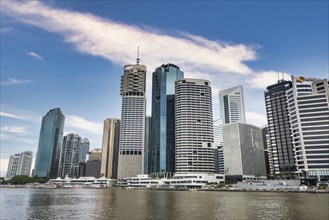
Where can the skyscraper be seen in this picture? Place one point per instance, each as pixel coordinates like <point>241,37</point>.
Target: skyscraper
<point>69,160</point>
<point>194,127</point>
<point>20,164</point>
<point>308,107</point>
<point>84,150</point>
<point>280,150</point>
<point>232,105</point>
<point>110,148</point>
<point>50,142</point>
<point>132,128</point>
<point>218,143</point>
<point>162,150</point>
<point>93,165</point>
<point>148,142</point>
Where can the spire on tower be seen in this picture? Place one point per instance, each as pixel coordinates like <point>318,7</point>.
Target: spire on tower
<point>138,55</point>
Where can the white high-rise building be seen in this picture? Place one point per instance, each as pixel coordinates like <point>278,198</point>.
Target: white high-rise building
<point>231,103</point>
<point>132,128</point>
<point>194,141</point>
<point>309,119</point>
<point>20,164</point>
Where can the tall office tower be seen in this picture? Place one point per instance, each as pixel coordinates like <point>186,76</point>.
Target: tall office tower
<point>231,103</point>
<point>194,127</point>
<point>93,165</point>
<point>110,148</point>
<point>132,128</point>
<point>50,142</point>
<point>69,160</point>
<point>148,141</point>
<point>309,117</point>
<point>281,149</point>
<point>84,150</point>
<point>162,151</point>
<point>20,164</point>
<point>243,151</point>
<point>218,142</point>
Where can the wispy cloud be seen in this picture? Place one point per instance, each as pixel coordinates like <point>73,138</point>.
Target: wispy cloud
<point>35,55</point>
<point>13,81</point>
<point>117,41</point>
<point>6,30</point>
<point>25,116</point>
<point>78,122</point>
<point>15,129</point>
<point>13,137</point>
<point>10,115</point>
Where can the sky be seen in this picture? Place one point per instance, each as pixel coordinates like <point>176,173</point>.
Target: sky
<point>71,54</point>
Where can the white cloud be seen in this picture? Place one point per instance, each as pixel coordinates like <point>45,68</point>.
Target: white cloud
<point>15,129</point>
<point>35,55</point>
<point>26,116</point>
<point>118,42</point>
<point>13,81</point>
<point>10,115</point>
<point>11,137</point>
<point>78,122</point>
<point>255,118</point>
<point>266,78</point>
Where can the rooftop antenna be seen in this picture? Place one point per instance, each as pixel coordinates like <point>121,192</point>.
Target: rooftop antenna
<point>278,76</point>
<point>138,55</point>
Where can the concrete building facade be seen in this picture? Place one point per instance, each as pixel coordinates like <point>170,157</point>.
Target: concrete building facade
<point>194,141</point>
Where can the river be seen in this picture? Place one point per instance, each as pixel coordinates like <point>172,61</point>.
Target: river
<point>29,203</point>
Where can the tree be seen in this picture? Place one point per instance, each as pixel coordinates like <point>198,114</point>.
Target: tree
<point>21,180</point>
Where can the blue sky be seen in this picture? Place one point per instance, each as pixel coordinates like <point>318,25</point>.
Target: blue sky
<point>70,54</point>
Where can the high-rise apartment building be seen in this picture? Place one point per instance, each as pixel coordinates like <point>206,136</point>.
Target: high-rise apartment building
<point>132,128</point>
<point>280,149</point>
<point>20,164</point>
<point>50,142</point>
<point>110,148</point>
<point>309,119</point>
<point>162,150</point>
<point>194,127</point>
<point>243,151</point>
<point>84,150</point>
<point>70,153</point>
<point>232,105</point>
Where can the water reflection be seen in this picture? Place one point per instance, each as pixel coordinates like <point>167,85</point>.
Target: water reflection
<point>149,204</point>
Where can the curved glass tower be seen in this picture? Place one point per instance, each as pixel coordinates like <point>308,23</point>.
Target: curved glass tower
<point>162,149</point>
<point>50,142</point>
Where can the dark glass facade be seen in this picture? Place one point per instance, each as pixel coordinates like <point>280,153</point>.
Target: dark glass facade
<point>50,142</point>
<point>162,147</point>
<point>281,147</point>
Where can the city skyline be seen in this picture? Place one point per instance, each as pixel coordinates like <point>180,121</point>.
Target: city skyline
<point>75,68</point>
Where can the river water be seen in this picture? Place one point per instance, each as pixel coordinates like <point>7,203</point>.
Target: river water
<point>29,203</point>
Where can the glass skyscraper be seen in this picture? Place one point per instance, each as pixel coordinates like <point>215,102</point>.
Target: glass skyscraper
<point>84,150</point>
<point>50,142</point>
<point>162,149</point>
<point>69,162</point>
<point>280,149</point>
